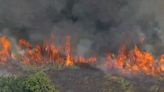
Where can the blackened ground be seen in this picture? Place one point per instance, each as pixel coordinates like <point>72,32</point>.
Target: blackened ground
<point>79,80</point>
<point>89,79</point>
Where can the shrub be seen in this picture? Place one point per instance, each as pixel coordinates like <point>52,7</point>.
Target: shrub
<point>38,82</point>
<point>10,84</point>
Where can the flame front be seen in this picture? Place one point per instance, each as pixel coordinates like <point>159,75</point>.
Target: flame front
<point>135,60</point>
<point>49,53</point>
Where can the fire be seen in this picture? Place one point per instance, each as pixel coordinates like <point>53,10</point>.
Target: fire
<point>121,57</point>
<point>161,63</point>
<point>25,43</point>
<point>68,51</point>
<point>134,61</point>
<point>137,61</point>
<point>49,53</point>
<point>5,49</point>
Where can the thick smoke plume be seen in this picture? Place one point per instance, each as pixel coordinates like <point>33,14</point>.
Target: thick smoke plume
<point>99,25</point>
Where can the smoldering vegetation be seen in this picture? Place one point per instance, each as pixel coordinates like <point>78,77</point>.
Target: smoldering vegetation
<point>97,25</point>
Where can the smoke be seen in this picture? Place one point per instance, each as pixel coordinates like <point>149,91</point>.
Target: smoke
<point>99,25</point>
<point>84,47</point>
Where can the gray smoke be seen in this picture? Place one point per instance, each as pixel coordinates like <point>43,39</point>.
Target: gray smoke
<point>99,25</point>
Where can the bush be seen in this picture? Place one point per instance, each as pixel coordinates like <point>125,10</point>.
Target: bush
<point>38,82</point>
<point>10,84</point>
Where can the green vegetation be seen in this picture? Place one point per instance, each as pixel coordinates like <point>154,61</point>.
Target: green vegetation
<point>38,82</point>
<point>118,84</point>
<point>10,84</point>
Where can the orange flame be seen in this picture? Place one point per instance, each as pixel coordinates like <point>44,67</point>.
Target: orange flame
<point>5,49</point>
<point>49,53</point>
<point>134,61</point>
<point>137,60</point>
<point>68,51</point>
<point>25,43</point>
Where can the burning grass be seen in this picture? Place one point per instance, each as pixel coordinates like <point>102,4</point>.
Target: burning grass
<point>134,61</point>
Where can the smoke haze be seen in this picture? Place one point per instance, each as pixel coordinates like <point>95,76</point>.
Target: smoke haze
<point>92,24</point>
